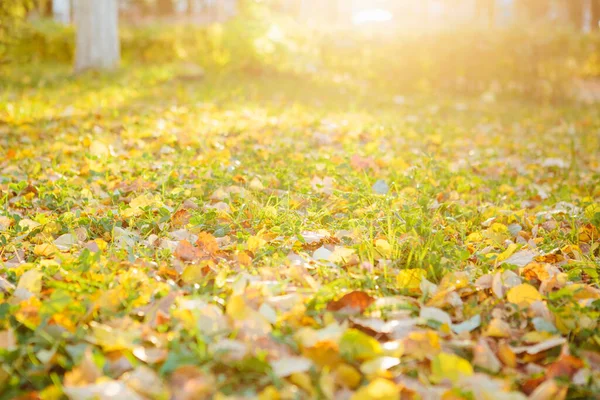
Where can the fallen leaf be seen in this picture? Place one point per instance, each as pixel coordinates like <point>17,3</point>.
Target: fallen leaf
<point>186,252</point>
<point>287,366</point>
<point>347,375</point>
<point>485,358</point>
<point>107,390</point>
<point>378,365</point>
<point>359,346</point>
<point>378,389</point>
<point>539,347</point>
<point>435,314</point>
<point>146,382</point>
<point>449,366</point>
<point>65,242</point>
<point>523,294</point>
<point>353,301</point>
<point>410,279</point>
<point>30,284</point>
<point>8,340</point>
<point>45,250</point>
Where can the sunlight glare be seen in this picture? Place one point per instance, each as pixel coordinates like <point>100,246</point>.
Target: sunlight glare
<point>373,15</point>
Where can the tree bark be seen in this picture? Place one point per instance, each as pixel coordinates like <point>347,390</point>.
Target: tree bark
<point>97,34</point>
<point>165,8</point>
<point>576,13</point>
<point>595,15</point>
<point>62,11</point>
<point>486,10</point>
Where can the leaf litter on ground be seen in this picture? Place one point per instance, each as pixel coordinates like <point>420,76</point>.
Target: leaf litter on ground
<point>280,246</point>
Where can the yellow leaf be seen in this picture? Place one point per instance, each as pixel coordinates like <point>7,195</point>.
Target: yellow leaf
<point>359,346</point>
<point>379,365</point>
<point>245,318</point>
<point>422,344</point>
<point>523,294</point>
<point>254,243</point>
<point>45,250</point>
<point>498,328</point>
<point>506,355</point>
<point>592,210</point>
<point>508,252</point>
<point>136,205</point>
<point>111,339</point>
<point>269,393</point>
<point>30,281</point>
<point>347,375</point>
<point>383,247</point>
<point>410,278</point>
<point>449,366</point>
<point>378,389</point>
<point>327,384</point>
<point>237,308</point>
<point>302,380</point>
<point>323,353</point>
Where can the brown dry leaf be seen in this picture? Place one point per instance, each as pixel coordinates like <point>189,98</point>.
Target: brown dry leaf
<point>485,358</point>
<point>565,367</point>
<point>207,243</point>
<point>180,218</point>
<point>549,390</point>
<point>189,383</point>
<point>8,340</point>
<point>186,252</point>
<point>535,270</point>
<point>354,301</point>
<point>146,382</point>
<point>85,373</point>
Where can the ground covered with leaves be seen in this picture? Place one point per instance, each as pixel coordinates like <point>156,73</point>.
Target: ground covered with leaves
<point>166,235</point>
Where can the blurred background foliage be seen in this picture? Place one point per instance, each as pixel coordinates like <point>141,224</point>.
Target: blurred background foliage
<point>531,59</point>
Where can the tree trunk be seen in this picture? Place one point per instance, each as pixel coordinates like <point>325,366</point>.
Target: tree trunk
<point>165,8</point>
<point>97,34</point>
<point>62,11</point>
<point>576,13</point>
<point>486,10</point>
<point>595,15</point>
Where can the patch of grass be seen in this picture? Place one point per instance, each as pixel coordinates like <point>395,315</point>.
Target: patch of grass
<point>202,228</point>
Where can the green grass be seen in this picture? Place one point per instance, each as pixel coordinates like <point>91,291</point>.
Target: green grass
<point>244,157</point>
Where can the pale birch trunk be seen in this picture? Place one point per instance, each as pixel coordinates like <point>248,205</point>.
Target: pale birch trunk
<point>97,34</point>
<point>61,9</point>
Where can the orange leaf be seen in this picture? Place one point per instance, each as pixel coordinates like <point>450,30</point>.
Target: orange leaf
<point>186,252</point>
<point>565,367</point>
<point>208,243</point>
<point>180,218</point>
<point>354,300</point>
